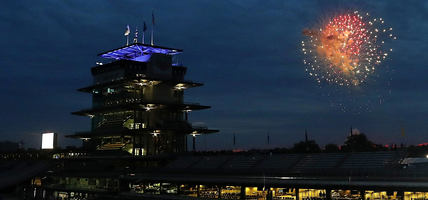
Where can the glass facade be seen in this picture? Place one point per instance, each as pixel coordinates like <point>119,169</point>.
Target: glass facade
<point>415,195</point>
<point>312,194</point>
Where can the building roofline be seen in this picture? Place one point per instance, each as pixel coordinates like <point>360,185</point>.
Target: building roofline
<point>130,51</point>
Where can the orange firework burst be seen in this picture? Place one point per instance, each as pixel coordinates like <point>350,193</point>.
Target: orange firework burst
<point>345,49</point>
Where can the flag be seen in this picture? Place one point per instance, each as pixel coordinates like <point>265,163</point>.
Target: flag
<point>127,31</point>
<point>306,135</point>
<point>153,18</point>
<point>402,131</point>
<point>234,140</point>
<point>144,27</point>
<point>136,35</point>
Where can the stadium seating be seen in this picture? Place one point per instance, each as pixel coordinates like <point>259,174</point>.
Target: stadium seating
<point>368,160</point>
<point>183,162</point>
<point>279,161</point>
<point>242,162</point>
<point>319,161</point>
<point>211,162</point>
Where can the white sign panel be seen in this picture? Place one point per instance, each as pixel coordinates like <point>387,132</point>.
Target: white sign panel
<point>48,140</point>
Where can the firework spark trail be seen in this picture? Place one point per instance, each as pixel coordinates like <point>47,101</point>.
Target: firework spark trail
<point>345,50</point>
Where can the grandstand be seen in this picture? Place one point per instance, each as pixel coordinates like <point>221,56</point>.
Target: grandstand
<point>315,163</point>
<point>279,162</point>
<point>211,162</point>
<point>319,161</point>
<point>369,160</point>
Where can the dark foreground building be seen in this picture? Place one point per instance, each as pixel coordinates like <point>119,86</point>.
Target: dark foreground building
<point>322,176</point>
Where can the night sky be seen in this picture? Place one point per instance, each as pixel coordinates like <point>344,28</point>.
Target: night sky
<point>247,53</point>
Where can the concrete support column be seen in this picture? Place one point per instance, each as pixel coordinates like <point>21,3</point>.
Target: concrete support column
<point>269,194</point>
<point>178,188</point>
<point>147,137</point>
<point>194,143</point>
<point>133,144</point>
<point>328,194</point>
<point>141,145</point>
<point>242,192</point>
<point>198,190</point>
<point>401,194</point>
<point>297,193</point>
<point>363,194</point>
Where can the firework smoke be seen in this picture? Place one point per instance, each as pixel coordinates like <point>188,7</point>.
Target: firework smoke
<point>345,50</point>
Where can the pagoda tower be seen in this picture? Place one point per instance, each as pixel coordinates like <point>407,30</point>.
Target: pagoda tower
<point>137,103</point>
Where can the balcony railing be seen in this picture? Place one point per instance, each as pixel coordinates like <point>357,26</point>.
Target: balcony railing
<point>174,124</point>
<point>129,101</point>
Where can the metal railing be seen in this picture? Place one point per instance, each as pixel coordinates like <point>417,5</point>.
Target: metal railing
<point>128,101</point>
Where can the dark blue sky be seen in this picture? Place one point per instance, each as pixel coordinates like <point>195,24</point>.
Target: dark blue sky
<point>247,53</point>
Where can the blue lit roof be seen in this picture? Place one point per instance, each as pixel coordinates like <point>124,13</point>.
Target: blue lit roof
<point>135,50</point>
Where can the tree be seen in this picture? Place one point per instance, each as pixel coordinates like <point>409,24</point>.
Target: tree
<point>309,146</point>
<point>358,142</point>
<point>331,148</point>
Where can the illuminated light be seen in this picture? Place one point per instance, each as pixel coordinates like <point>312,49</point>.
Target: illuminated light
<point>155,133</point>
<point>180,86</point>
<point>195,133</point>
<point>345,48</point>
<point>138,51</point>
<point>149,107</point>
<point>48,140</point>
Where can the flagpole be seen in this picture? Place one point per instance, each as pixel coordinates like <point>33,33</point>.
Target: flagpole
<point>234,142</point>
<point>144,26</point>
<point>153,25</point>
<point>152,37</point>
<point>268,140</point>
<point>143,37</point>
<point>306,136</point>
<point>402,137</point>
<point>136,36</point>
<point>127,40</point>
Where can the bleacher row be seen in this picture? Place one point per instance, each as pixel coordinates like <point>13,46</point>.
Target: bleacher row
<point>294,162</point>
